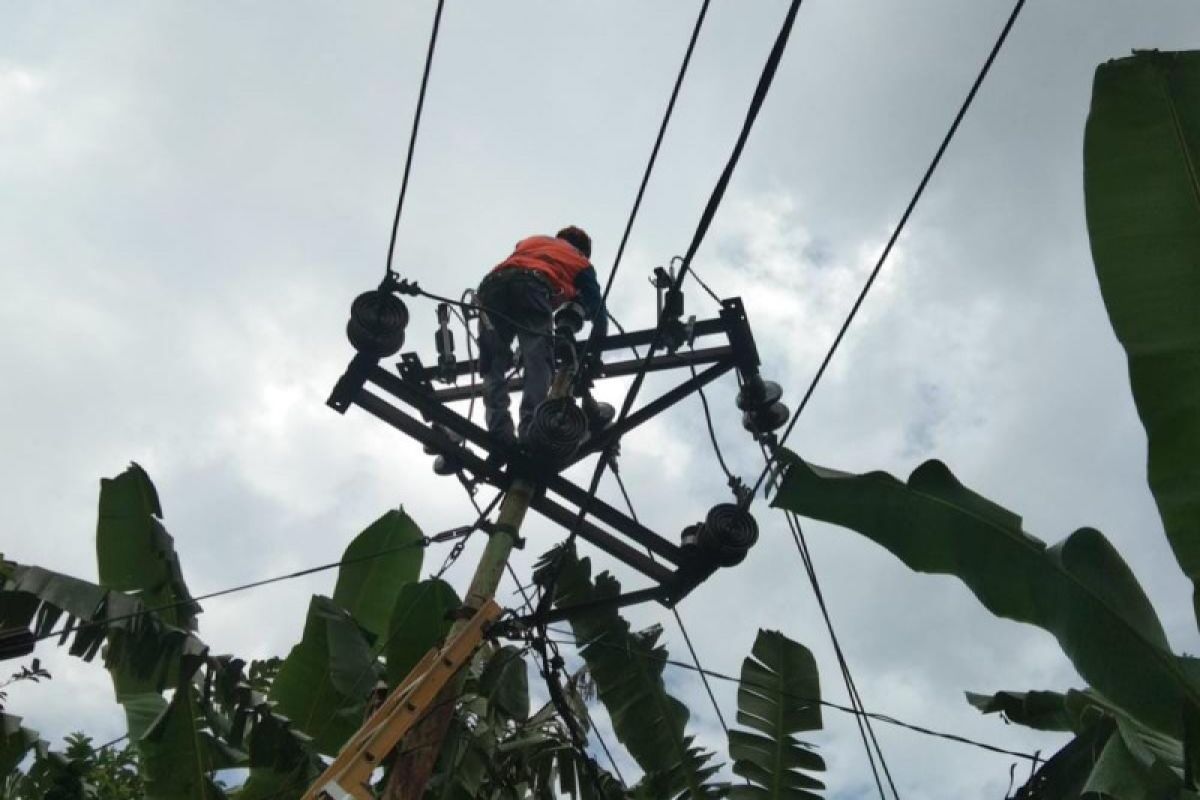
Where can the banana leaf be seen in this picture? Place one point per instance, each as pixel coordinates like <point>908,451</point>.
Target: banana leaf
<point>179,753</point>
<point>1079,590</point>
<point>16,742</point>
<point>134,552</point>
<point>323,684</point>
<point>627,668</point>
<point>777,698</point>
<point>418,622</point>
<point>1112,754</point>
<point>1142,191</point>
<point>505,684</point>
<point>136,555</point>
<point>1043,711</point>
<point>283,764</point>
<point>383,558</point>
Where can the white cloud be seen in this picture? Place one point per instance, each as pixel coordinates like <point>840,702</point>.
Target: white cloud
<point>192,196</point>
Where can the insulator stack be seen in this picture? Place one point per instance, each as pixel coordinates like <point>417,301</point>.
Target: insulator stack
<point>557,429</point>
<point>377,322</point>
<point>726,535</point>
<point>759,402</point>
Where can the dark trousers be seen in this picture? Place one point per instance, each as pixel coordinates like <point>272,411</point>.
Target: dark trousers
<point>523,310</point>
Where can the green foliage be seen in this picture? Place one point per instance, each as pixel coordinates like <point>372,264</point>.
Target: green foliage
<point>627,668</point>
<point>31,673</point>
<point>497,750</point>
<point>1112,754</point>
<point>419,620</point>
<point>282,763</point>
<point>110,773</point>
<point>79,771</point>
<point>1044,711</point>
<point>1142,191</point>
<point>137,556</point>
<point>368,585</point>
<point>777,698</point>
<point>1080,590</point>
<point>324,682</point>
<point>180,752</point>
<point>1142,187</point>
<point>16,742</point>
<point>134,552</point>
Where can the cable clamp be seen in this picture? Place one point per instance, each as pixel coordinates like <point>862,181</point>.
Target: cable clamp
<point>394,283</point>
<point>508,529</point>
<point>741,492</point>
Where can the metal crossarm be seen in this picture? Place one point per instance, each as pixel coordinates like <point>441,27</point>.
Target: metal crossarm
<point>408,399</point>
<point>349,776</point>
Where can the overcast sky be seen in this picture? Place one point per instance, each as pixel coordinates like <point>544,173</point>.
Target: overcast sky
<point>191,194</point>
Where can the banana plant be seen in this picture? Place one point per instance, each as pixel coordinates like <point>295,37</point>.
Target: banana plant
<point>778,697</point>
<point>627,667</point>
<point>198,720</point>
<point>1137,726</point>
<point>278,719</point>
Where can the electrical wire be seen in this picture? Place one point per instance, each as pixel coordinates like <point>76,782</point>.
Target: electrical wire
<point>710,210</point>
<point>712,433</point>
<point>954,737</point>
<point>658,140</point>
<point>529,604</point>
<point>674,610</point>
<point>864,722</point>
<point>425,541</point>
<point>866,731</point>
<point>912,203</point>
<point>412,139</point>
<point>699,280</point>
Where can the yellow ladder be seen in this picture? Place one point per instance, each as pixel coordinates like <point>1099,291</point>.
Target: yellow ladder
<point>349,776</point>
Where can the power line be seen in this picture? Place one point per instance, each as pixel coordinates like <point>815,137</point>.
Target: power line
<point>679,619</point>
<point>424,541</point>
<point>602,463</point>
<point>412,139</point>
<point>912,203</point>
<point>863,723</point>
<point>791,695</point>
<point>706,217</point>
<point>658,140</point>
<point>554,646</point>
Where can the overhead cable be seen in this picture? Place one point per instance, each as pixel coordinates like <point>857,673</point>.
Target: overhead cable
<point>866,731</point>
<point>424,541</point>
<point>600,642</point>
<point>891,242</point>
<point>658,140</point>
<point>710,210</point>
<point>678,619</point>
<point>412,139</point>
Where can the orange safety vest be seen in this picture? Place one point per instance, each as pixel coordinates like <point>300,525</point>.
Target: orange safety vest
<point>556,259</point>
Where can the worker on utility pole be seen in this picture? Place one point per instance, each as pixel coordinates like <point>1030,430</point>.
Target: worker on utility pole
<point>518,298</point>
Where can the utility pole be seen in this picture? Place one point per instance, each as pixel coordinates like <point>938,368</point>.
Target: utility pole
<point>561,435</point>
<point>418,753</point>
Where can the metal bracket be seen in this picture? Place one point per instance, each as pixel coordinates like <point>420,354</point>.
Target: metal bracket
<point>674,571</point>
